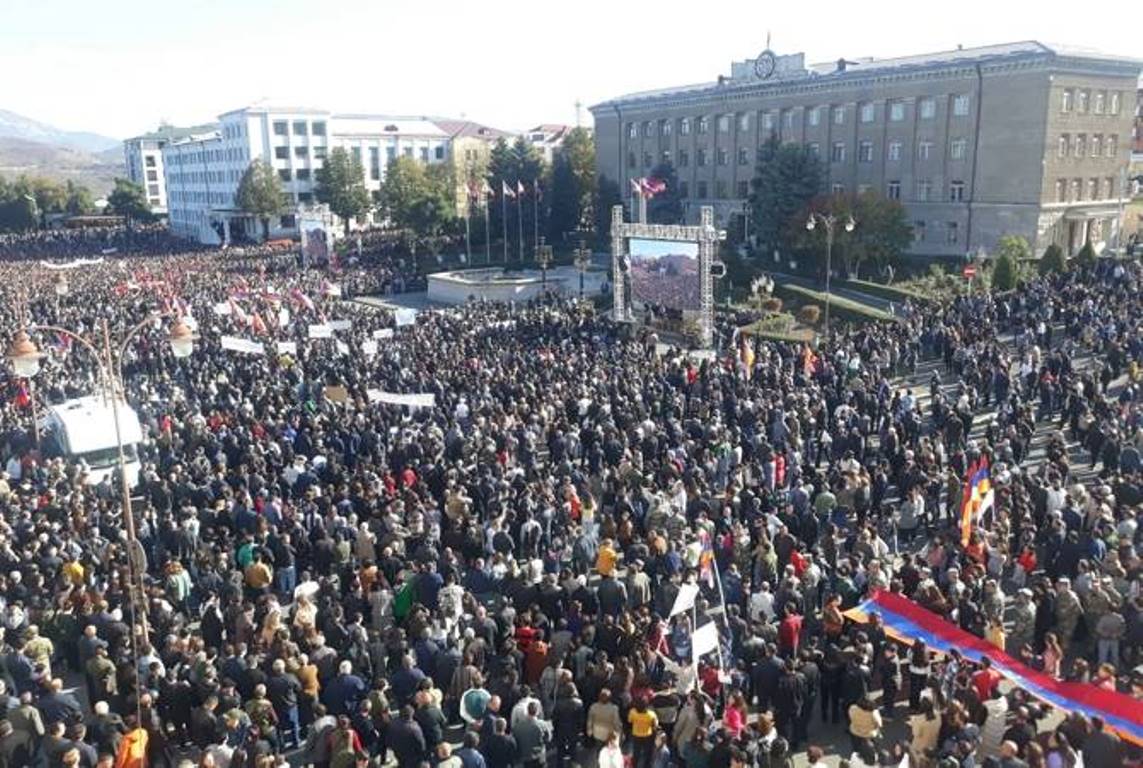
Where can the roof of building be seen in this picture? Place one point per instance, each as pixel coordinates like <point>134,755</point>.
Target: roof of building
<point>858,68</point>
<point>174,132</point>
<point>371,125</point>
<point>469,129</point>
<point>207,135</point>
<point>263,108</point>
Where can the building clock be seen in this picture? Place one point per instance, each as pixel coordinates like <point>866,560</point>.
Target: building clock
<point>764,64</point>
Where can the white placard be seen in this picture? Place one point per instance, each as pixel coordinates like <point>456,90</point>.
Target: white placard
<point>190,322</point>
<point>426,400</point>
<point>369,348</point>
<point>704,640</point>
<point>321,331</point>
<point>333,289</point>
<point>405,316</point>
<point>340,325</point>
<point>287,347</point>
<point>384,333</point>
<point>235,344</point>
<point>685,600</point>
<point>342,348</point>
<point>283,317</point>
<point>222,308</point>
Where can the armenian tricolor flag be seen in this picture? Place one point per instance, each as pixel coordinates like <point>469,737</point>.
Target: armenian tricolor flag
<point>706,557</point>
<point>906,622</point>
<point>978,497</point>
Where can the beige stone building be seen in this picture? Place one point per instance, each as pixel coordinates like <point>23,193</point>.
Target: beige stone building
<point>1020,138</point>
<point>469,148</point>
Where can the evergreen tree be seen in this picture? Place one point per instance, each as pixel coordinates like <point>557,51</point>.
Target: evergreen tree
<point>1086,258</point>
<point>129,200</point>
<point>786,179</point>
<point>1053,260</point>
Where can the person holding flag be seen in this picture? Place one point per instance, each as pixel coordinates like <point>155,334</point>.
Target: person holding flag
<point>978,497</point>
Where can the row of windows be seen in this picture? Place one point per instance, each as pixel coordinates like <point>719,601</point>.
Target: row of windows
<point>924,190</point>
<point>867,113</point>
<point>1079,145</point>
<point>1083,100</point>
<point>1074,190</point>
<point>201,198</point>
<point>283,153</point>
<point>957,150</point>
<point>300,128</point>
<point>230,155</point>
<point>951,230</point>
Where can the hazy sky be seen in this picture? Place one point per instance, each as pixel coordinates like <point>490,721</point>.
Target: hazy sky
<point>121,66</point>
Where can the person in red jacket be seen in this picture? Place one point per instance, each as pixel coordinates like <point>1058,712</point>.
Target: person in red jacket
<point>789,631</point>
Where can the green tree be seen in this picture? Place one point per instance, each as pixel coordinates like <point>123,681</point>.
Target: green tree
<point>607,195</point>
<point>880,234</point>
<point>260,193</point>
<point>1003,272</point>
<point>572,185</point>
<point>79,200</point>
<point>1053,260</point>
<point>667,206</point>
<point>127,199</point>
<point>419,199</point>
<point>1086,258</point>
<point>1012,253</point>
<point>341,186</point>
<point>786,179</point>
<point>405,184</point>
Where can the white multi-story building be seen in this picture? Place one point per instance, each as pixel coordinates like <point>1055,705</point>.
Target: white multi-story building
<point>143,157</point>
<point>203,171</point>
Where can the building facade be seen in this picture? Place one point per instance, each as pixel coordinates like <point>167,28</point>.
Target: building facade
<point>547,138</point>
<point>976,143</point>
<point>470,147</point>
<point>202,172</point>
<point>143,158</point>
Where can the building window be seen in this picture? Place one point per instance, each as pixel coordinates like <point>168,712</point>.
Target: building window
<point>924,150</point>
<point>724,123</point>
<point>960,104</point>
<point>703,124</point>
<point>1062,146</point>
<point>815,115</point>
<point>1111,148</point>
<point>952,233</point>
<point>768,122</point>
<point>303,174</point>
<point>150,161</point>
<point>300,128</point>
<point>957,149</point>
<point>743,122</point>
<point>893,190</point>
<point>284,174</point>
<point>1081,101</point>
<point>281,128</point>
<point>1081,145</point>
<point>287,221</point>
<point>700,160</point>
<point>1097,102</point>
<point>281,153</point>
<point>723,156</point>
<point>153,190</point>
<point>375,163</point>
<point>301,152</point>
<point>863,189</point>
<point>743,156</point>
<point>648,128</point>
<point>684,158</point>
<point>319,152</point>
<point>152,176</point>
<point>924,190</point>
<point>631,163</point>
<point>894,150</point>
<point>918,231</point>
<point>684,190</point>
<point>743,189</point>
<point>1066,97</point>
<point>356,152</point>
<point>666,157</point>
<point>896,111</point>
<point>664,127</point>
<point>1096,145</point>
<point>956,191</point>
<point>1113,108</point>
<point>1061,191</point>
<point>839,115</point>
<point>814,149</point>
<point>317,128</point>
<point>928,108</point>
<point>700,190</point>
<point>632,131</point>
<point>439,152</point>
<point>1108,188</point>
<point>868,112</point>
<point>1076,190</point>
<point>391,154</point>
<point>647,159</point>
<point>424,154</point>
<point>684,126</point>
<point>1093,189</point>
<point>837,189</point>
<point>787,122</point>
<point>837,153</point>
<point>865,152</point>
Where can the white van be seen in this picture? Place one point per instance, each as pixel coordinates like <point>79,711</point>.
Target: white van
<point>83,430</point>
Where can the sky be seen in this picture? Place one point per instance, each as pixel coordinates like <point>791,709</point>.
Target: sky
<point>119,67</point>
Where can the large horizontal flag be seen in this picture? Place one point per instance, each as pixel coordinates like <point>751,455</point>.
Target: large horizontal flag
<point>905,621</point>
<point>978,497</point>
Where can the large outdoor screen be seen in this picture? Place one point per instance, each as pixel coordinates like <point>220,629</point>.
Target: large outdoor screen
<point>664,275</point>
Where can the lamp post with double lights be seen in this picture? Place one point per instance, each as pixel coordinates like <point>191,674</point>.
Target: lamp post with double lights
<point>25,357</point>
<point>544,259</point>
<point>829,221</point>
<point>582,262</point>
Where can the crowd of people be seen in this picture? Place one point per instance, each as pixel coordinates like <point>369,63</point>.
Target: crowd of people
<point>489,582</point>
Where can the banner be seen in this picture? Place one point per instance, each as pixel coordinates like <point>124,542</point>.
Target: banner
<point>905,621</point>
<point>321,331</point>
<point>74,264</point>
<point>340,325</point>
<point>287,347</point>
<point>317,239</point>
<point>246,346</point>
<point>405,316</point>
<point>704,640</point>
<point>685,600</point>
<point>342,348</point>
<point>384,333</point>
<point>222,308</point>
<point>427,400</point>
<point>283,317</point>
<point>369,348</point>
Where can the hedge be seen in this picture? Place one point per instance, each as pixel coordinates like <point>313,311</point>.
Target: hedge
<point>802,335</point>
<point>838,306</point>
<point>889,292</point>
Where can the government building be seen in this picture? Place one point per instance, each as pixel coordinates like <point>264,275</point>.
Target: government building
<point>1022,138</point>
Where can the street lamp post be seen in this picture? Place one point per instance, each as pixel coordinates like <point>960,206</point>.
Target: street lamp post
<point>544,259</point>
<point>25,359</point>
<point>828,221</point>
<point>582,262</point>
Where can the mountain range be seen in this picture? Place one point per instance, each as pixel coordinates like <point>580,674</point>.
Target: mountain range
<point>31,147</point>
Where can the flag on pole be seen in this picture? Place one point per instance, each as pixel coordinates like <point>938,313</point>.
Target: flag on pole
<point>23,397</point>
<point>505,190</point>
<point>652,187</point>
<point>746,354</point>
<point>258,324</point>
<point>520,188</point>
<point>978,497</point>
<point>637,186</point>
<point>704,640</point>
<point>706,558</point>
<point>297,295</point>
<point>486,189</point>
<point>237,312</point>
<point>536,189</point>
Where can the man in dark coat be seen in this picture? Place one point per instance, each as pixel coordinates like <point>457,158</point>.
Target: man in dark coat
<point>406,739</point>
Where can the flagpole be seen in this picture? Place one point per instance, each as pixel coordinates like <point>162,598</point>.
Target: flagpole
<point>520,221</point>
<point>725,621</point>
<point>487,235</point>
<point>467,233</point>
<point>504,219</point>
<point>535,214</point>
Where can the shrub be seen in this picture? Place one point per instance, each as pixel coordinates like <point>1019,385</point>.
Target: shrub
<point>1086,258</point>
<point>1053,260</point>
<point>1003,273</point>
<point>810,314</point>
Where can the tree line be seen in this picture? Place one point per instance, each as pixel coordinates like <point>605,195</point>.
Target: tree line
<point>26,200</point>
